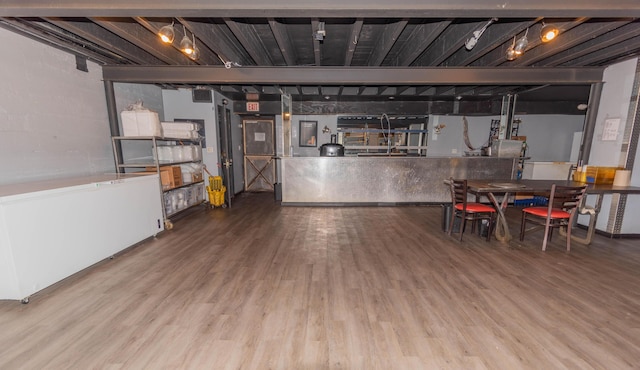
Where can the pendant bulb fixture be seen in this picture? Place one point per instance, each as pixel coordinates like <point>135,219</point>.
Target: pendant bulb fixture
<point>548,32</point>
<point>186,45</point>
<point>511,53</point>
<point>521,44</point>
<point>167,34</point>
<point>195,54</point>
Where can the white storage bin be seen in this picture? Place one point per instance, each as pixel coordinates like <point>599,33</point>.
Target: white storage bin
<point>187,177</point>
<point>140,123</point>
<point>197,153</point>
<point>187,152</point>
<point>177,154</point>
<point>168,207</point>
<point>195,194</point>
<point>129,123</point>
<point>191,172</point>
<point>180,126</point>
<point>180,134</point>
<point>165,153</point>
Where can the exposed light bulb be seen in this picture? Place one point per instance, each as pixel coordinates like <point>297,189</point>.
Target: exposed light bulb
<point>195,54</point>
<point>548,32</point>
<point>167,33</point>
<point>511,53</point>
<point>186,45</point>
<point>471,42</point>
<point>521,44</point>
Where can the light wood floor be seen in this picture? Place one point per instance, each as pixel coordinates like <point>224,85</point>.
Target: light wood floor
<point>260,286</point>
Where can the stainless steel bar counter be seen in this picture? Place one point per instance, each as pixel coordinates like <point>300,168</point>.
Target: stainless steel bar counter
<point>381,180</point>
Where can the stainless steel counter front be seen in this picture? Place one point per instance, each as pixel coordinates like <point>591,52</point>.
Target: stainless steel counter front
<point>381,180</point>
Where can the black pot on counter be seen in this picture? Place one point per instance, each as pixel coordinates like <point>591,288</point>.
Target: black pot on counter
<point>332,149</point>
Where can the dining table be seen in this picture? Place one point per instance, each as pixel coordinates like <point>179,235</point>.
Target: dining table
<point>500,191</point>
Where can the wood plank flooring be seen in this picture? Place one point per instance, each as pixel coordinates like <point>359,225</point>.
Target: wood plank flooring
<point>260,286</point>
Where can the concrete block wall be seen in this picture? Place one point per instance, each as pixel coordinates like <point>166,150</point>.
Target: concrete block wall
<point>53,117</point>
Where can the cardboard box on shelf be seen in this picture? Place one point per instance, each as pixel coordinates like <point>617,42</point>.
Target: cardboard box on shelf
<point>165,177</point>
<point>170,176</point>
<point>197,177</point>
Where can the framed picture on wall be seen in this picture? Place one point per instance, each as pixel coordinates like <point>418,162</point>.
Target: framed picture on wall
<point>308,133</point>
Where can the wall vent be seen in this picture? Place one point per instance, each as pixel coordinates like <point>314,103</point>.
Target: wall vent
<point>202,96</point>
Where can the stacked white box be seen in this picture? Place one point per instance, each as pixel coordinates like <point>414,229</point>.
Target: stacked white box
<point>165,153</point>
<point>180,126</point>
<point>181,130</point>
<point>140,123</point>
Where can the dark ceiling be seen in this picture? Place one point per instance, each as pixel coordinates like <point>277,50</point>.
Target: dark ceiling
<point>363,54</point>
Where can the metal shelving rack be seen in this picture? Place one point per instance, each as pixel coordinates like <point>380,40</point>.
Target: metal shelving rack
<point>146,162</point>
<point>367,140</point>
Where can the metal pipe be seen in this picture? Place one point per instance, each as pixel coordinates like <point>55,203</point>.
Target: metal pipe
<point>112,112</point>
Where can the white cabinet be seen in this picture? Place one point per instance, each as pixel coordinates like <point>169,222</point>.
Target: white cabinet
<point>52,229</point>
<point>178,163</point>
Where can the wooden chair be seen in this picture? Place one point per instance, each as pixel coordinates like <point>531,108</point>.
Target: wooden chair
<point>468,211</point>
<point>560,212</point>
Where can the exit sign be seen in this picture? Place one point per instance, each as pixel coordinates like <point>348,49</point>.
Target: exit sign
<point>253,106</point>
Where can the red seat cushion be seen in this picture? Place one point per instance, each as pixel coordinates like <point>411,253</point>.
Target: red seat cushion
<point>476,207</point>
<point>542,212</point>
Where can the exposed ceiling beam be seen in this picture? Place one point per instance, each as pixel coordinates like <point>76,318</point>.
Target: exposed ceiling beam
<point>421,37</point>
<point>284,41</point>
<point>352,75</point>
<point>317,53</point>
<point>142,38</point>
<point>386,41</point>
<point>402,89</point>
<point>99,36</point>
<point>614,37</point>
<point>466,90</point>
<point>218,37</point>
<point>39,35</point>
<point>250,40</point>
<point>450,41</point>
<point>423,89</point>
<point>353,41</point>
<point>611,53</point>
<point>326,8</point>
<point>445,90</point>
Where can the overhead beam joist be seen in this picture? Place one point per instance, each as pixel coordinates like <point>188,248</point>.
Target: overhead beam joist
<point>320,8</point>
<point>346,76</point>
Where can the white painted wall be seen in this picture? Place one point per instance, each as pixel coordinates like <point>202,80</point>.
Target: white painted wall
<point>549,137</point>
<point>53,117</point>
<point>450,141</point>
<point>330,121</point>
<point>614,104</point>
<point>127,94</point>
